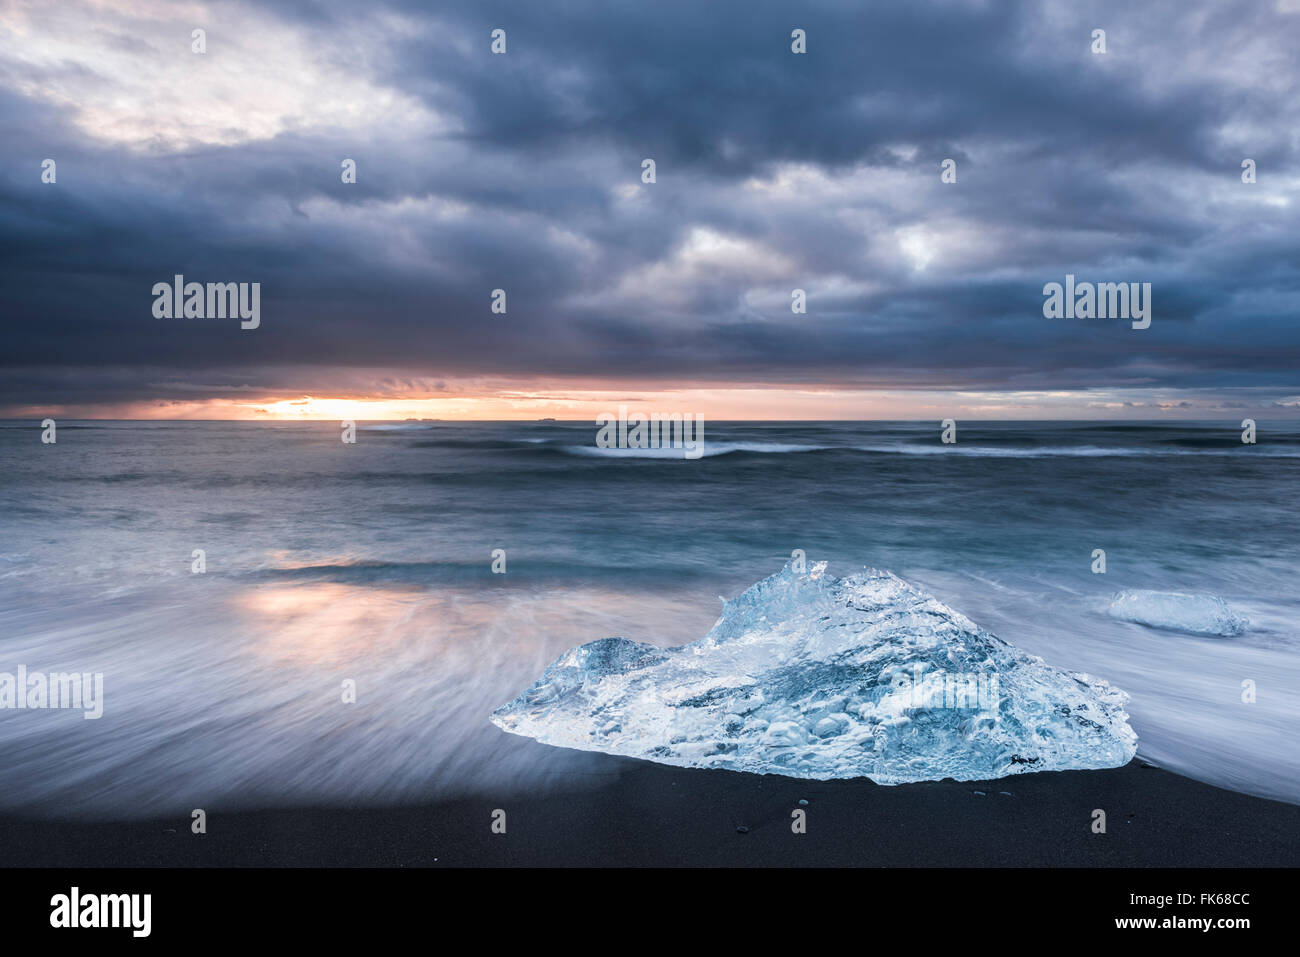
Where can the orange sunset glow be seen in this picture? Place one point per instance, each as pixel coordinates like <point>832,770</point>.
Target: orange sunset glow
<point>723,403</point>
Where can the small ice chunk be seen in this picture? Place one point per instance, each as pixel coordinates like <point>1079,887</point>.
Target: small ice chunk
<point>1195,614</point>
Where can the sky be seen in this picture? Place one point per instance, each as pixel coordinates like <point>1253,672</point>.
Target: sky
<point>774,171</point>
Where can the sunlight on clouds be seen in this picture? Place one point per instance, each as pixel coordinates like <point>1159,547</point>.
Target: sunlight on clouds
<point>917,245</point>
<point>705,256</point>
<point>127,74</point>
<point>309,407</point>
<point>861,184</point>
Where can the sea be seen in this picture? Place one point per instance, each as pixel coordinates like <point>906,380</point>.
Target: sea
<point>282,618</point>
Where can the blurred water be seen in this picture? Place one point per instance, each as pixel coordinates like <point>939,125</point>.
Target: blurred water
<point>328,561</point>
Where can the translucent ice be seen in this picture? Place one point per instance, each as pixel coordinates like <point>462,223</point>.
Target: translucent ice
<point>1197,614</point>
<point>813,676</point>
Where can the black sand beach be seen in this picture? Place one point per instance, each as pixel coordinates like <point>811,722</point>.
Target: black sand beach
<point>642,814</point>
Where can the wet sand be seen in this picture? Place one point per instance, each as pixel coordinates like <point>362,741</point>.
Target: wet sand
<point>642,814</point>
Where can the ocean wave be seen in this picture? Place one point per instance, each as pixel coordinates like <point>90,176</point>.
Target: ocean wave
<point>711,449</point>
<point>1068,451</point>
<point>706,449</point>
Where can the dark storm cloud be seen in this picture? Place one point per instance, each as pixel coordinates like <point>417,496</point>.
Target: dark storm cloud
<point>775,171</point>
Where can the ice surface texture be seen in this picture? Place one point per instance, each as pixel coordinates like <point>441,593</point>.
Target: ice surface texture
<point>1197,614</point>
<point>812,676</point>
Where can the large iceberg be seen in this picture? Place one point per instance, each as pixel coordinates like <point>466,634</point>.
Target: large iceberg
<point>1195,614</point>
<point>813,676</point>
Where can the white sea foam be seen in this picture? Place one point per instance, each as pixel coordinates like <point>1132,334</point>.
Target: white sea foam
<point>709,449</point>
<point>973,451</point>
